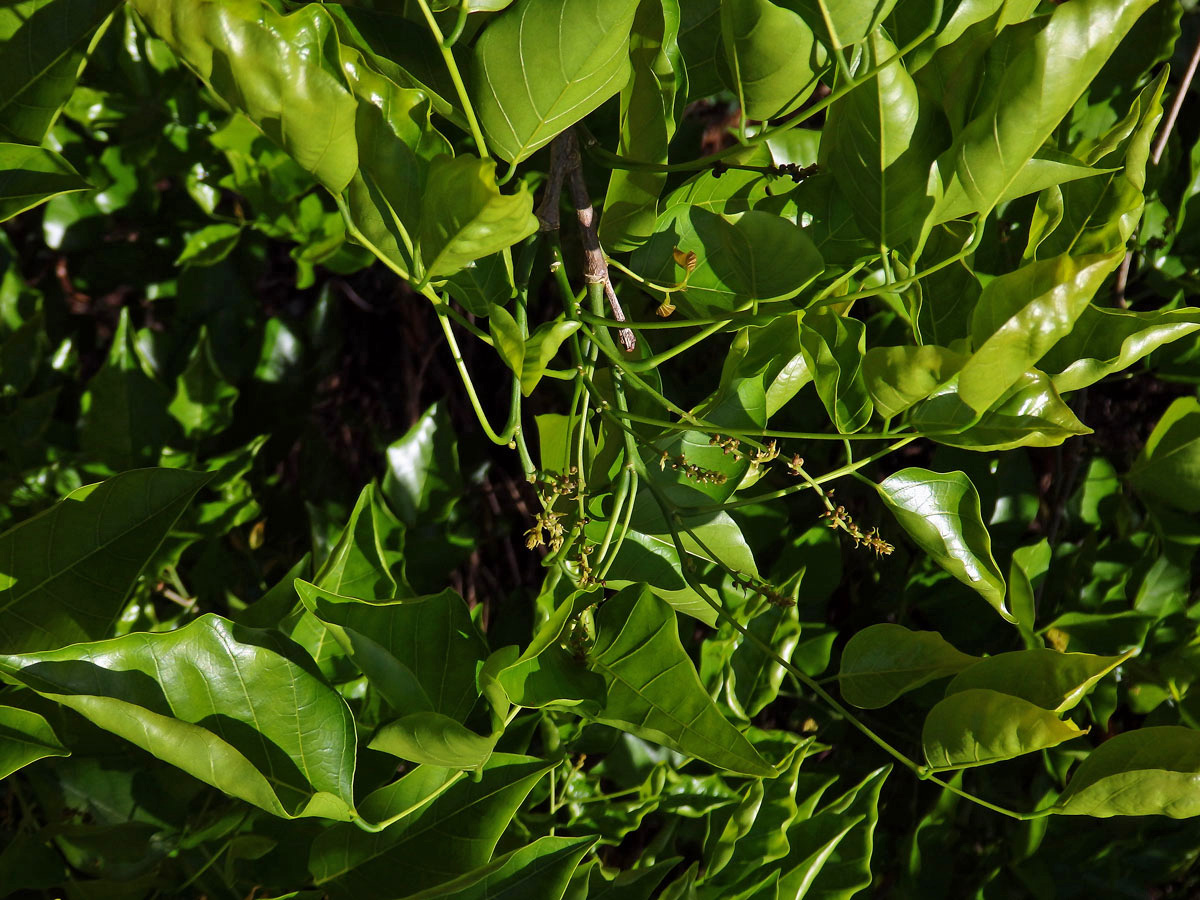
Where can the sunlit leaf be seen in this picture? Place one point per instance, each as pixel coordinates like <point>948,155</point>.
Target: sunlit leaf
<point>977,726</point>
<point>884,661</point>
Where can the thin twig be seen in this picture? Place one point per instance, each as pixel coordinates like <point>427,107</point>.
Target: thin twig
<point>547,211</point>
<point>1169,124</point>
<point>595,268</point>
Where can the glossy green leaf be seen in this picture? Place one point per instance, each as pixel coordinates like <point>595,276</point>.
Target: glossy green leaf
<point>286,744</point>
<point>648,117</point>
<point>976,727</point>
<point>542,65</point>
<point>1029,414</point>
<point>1020,316</point>
<point>529,358</point>
<point>653,689</point>
<point>433,843</point>
<point>482,284</point>
<point>771,55</point>
<point>940,512</point>
<point>1033,76</point>
<point>25,737</point>
<point>833,349</point>
<point>1046,678</point>
<point>541,869</point>
<point>464,217</point>
<point>362,561</point>
<point>32,175</point>
<point>549,674</point>
<point>431,738</point>
<point>419,653</point>
<point>754,676</point>
<point>1145,772</point>
<point>883,661</point>
<point>274,68</point>
<point>898,377</point>
<point>210,244</point>
<point>65,573</point>
<point>125,421</point>
<point>43,47</point>
<point>204,399</point>
<point>1168,468</point>
<point>844,22</point>
<point>1105,341</point>
<point>880,143</point>
<point>423,480</point>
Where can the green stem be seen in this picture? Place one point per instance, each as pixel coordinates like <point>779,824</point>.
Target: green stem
<point>459,24</point>
<point>514,416</point>
<point>456,77</point>
<point>374,828</point>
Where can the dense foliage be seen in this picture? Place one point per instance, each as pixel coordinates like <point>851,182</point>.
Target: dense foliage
<point>840,532</point>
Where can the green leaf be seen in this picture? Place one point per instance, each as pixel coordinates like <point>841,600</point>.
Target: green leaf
<point>772,57</point>
<point>419,653</point>
<point>210,244</point>
<point>833,349</point>
<point>976,727</point>
<point>64,574</point>
<point>542,65</point>
<point>204,399</point>
<point>25,737</point>
<point>286,746</point>
<point>1046,678</point>
<point>482,284</point>
<point>1105,341</point>
<point>370,546</point>
<point>539,870</point>
<point>754,676</point>
<point>44,45</point>
<point>1168,468</point>
<point>648,116</point>
<point>433,843</point>
<point>1145,772</point>
<point>464,217</point>
<point>1029,414</point>
<point>32,175</point>
<point>653,689</point>
<point>546,673</point>
<point>940,512</point>
<point>884,661</point>
<point>1033,74</point>
<point>528,358</point>
<point>844,22</point>
<point>423,481</point>
<point>898,377</point>
<point>433,739</point>
<point>125,421</point>
<point>880,143</point>
<point>1020,316</point>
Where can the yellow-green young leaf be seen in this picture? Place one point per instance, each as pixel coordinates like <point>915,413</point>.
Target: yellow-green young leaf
<point>1105,341</point>
<point>653,689</point>
<point>833,348</point>
<point>32,175</point>
<point>977,727</point>
<point>506,338</point>
<point>64,573</point>
<point>25,737</point>
<point>772,59</point>
<point>444,827</point>
<point>540,869</point>
<point>898,377</point>
<point>884,661</point>
<point>540,348</point>
<point>433,739</point>
<point>542,65</point>
<point>1020,316</point>
<point>1147,772</point>
<point>940,512</point>
<point>464,216</point>
<point>1168,468</point>
<point>1046,678</point>
<point>843,22</point>
<point>234,707</point>
<point>1033,75</point>
<point>43,47</point>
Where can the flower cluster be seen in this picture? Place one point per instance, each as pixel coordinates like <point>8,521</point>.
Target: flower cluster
<point>767,591</point>
<point>547,529</point>
<point>691,470</point>
<point>837,517</point>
